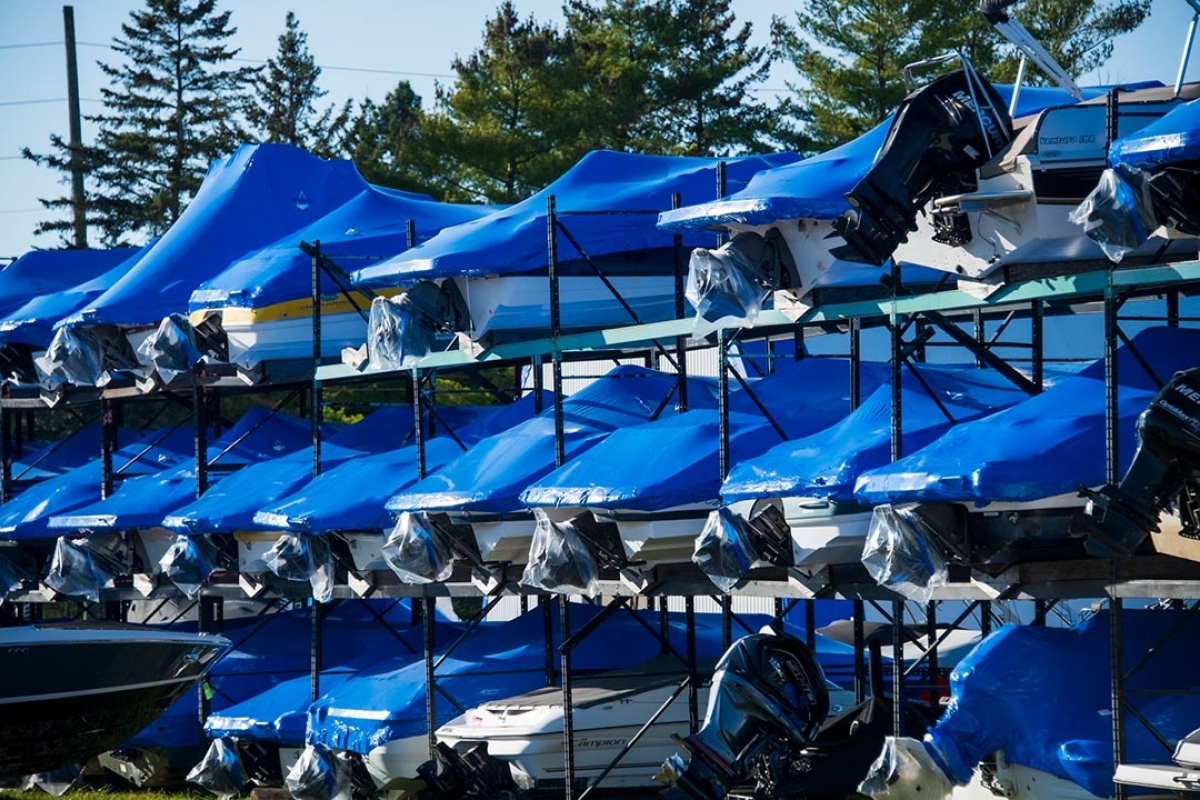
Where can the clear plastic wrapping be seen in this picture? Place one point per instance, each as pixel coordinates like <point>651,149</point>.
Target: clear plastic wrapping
<point>902,555</point>
<point>404,329</point>
<point>729,546</point>
<point>82,567</point>
<point>416,552</point>
<point>1119,213</point>
<point>86,356</point>
<point>299,557</point>
<point>905,770</point>
<point>319,774</point>
<point>723,284</point>
<point>171,350</point>
<point>220,771</point>
<point>559,560</point>
<point>191,560</point>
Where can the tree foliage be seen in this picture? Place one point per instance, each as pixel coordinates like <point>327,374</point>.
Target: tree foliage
<point>283,104</point>
<point>851,55</point>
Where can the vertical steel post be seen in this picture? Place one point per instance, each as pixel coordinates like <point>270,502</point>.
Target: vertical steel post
<point>555,328</point>
<point>548,638</point>
<point>316,646</point>
<point>568,704</point>
<point>855,363</point>
<point>418,422</point>
<point>860,667</point>
<point>429,609</point>
<point>689,619</point>
<point>985,618</point>
<point>680,310</point>
<point>898,667</point>
<point>723,403</point>
<point>726,621</point>
<point>1173,308</point>
<point>931,660</point>
<point>314,409</point>
<point>1111,454</point>
<point>897,411</point>
<point>810,624</point>
<point>200,419</point>
<point>1117,682</point>
<point>108,439</point>
<point>980,333</point>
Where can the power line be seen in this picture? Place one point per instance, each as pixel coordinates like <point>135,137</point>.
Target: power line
<point>23,45</point>
<point>46,100</point>
<point>324,67</point>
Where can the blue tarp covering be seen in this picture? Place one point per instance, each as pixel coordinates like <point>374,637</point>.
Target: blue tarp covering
<point>491,475</point>
<point>1044,695</point>
<point>230,505</point>
<point>247,201</point>
<point>816,187</point>
<point>676,461</point>
<point>141,502</point>
<point>46,460</point>
<point>387,701</point>
<point>27,516</point>
<point>514,240</point>
<point>273,650</point>
<point>352,496</point>
<point>1172,138</point>
<point>33,322</point>
<point>1048,445</point>
<point>43,272</point>
<point>826,464</point>
<point>370,227</point>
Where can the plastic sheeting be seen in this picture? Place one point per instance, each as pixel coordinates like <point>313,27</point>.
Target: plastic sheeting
<point>1050,444</point>
<point>32,323</point>
<point>82,567</point>
<point>27,516</point>
<point>1057,717</point>
<point>816,187</point>
<point>514,240</point>
<point>171,350</point>
<point>387,701</point>
<point>898,556</point>
<point>248,200</point>
<point>353,495</point>
<point>826,464</point>
<point>559,560</point>
<point>230,504</point>
<point>492,474</point>
<point>143,501</point>
<point>675,461</point>
<point>371,225</point>
<point>91,356</point>
<point>319,775</point>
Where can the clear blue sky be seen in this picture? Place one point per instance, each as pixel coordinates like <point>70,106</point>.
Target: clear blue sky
<point>364,47</point>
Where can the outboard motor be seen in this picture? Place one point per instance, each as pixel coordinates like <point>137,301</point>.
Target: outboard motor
<point>940,135</point>
<point>767,690</point>
<point>1162,475</point>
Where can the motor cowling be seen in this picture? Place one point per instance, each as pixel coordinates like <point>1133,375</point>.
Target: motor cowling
<point>1161,474</point>
<point>766,688</point>
<point>940,135</point>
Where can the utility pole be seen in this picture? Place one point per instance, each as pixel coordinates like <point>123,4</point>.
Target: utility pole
<point>76,132</point>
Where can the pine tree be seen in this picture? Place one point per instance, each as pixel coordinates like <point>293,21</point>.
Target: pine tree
<point>169,111</point>
<point>282,107</point>
<point>500,124</point>
<point>387,144</point>
<point>851,55</point>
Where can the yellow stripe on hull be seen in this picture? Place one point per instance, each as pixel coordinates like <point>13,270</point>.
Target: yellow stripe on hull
<point>289,309</point>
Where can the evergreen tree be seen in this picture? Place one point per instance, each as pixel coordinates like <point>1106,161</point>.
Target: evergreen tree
<point>282,107</point>
<point>387,144</point>
<point>169,112</point>
<point>499,125</point>
<point>851,55</point>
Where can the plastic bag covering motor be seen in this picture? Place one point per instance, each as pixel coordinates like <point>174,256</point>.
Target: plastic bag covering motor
<point>82,567</point>
<point>1057,718</point>
<point>300,557</point>
<point>416,552</point>
<point>939,136</point>
<point>732,283</point>
<point>559,560</point>
<point>91,356</point>
<point>191,560</point>
<point>171,350</point>
<point>902,554</point>
<point>403,330</point>
<point>319,774</point>
<point>220,771</point>
<point>1160,477</point>
<point>729,546</point>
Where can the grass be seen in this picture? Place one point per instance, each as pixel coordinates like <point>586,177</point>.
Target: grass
<point>109,793</point>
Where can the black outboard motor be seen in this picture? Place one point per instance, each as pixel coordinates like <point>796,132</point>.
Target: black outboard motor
<point>1162,475</point>
<point>766,689</point>
<point>940,135</point>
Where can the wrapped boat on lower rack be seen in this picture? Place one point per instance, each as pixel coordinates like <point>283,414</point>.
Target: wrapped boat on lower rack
<point>1006,488</point>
